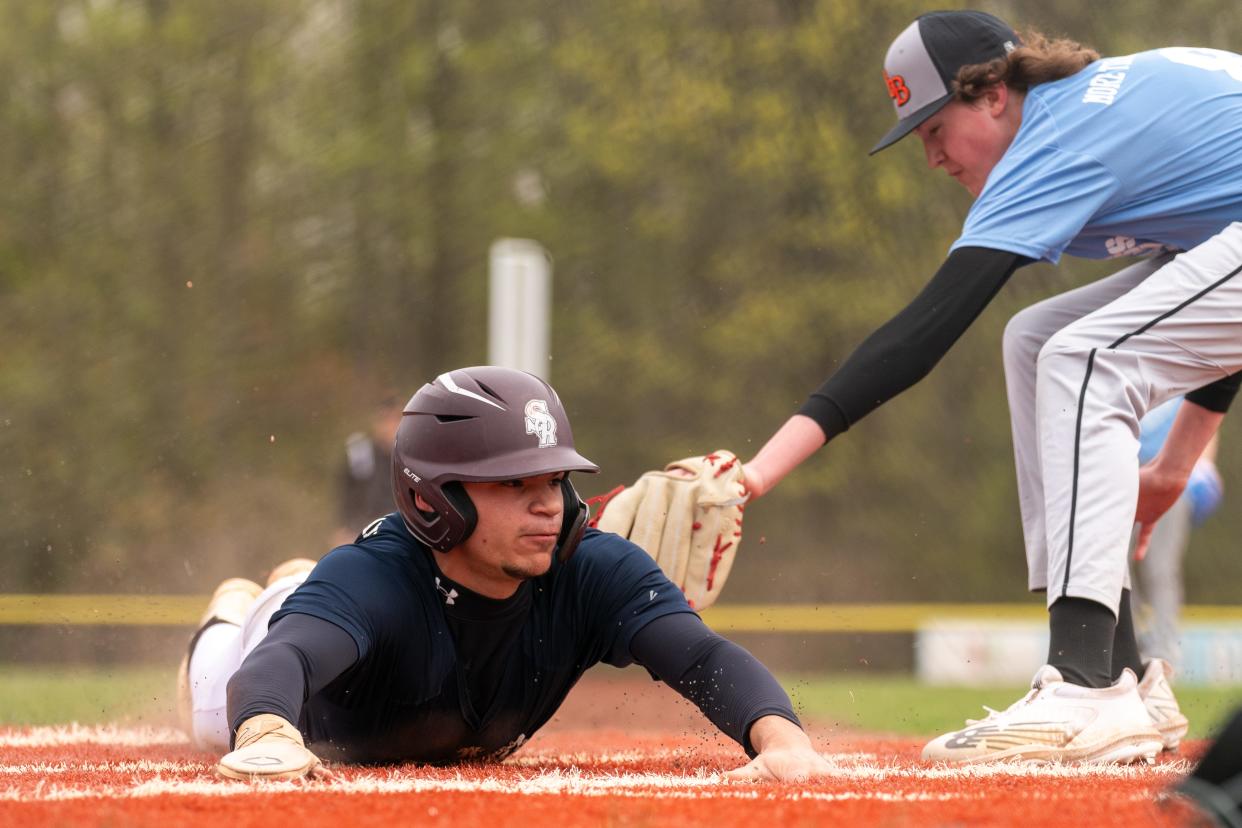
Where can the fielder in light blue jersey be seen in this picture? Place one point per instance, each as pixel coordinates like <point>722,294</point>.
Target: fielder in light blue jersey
<point>1133,154</point>
<point>1068,152</point>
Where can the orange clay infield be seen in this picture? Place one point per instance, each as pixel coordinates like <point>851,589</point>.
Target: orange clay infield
<point>619,753</point>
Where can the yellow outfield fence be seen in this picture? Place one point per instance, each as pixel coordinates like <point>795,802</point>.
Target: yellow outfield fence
<point>184,611</point>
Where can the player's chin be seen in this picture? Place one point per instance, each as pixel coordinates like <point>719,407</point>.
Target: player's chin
<point>527,569</point>
<point>534,557</point>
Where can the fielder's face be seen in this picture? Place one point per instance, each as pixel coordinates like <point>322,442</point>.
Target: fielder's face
<point>519,521</point>
<point>969,139</point>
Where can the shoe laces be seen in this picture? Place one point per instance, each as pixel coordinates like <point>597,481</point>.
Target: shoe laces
<point>994,714</point>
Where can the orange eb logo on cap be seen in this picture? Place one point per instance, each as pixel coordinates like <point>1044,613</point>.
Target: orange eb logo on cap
<point>897,89</point>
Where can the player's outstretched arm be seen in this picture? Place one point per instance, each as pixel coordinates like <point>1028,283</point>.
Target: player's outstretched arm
<point>300,655</point>
<point>896,356</point>
<point>734,690</point>
<point>785,754</point>
<point>797,439</point>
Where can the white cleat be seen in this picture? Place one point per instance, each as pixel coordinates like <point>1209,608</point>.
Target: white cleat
<point>1161,704</point>
<point>1057,722</point>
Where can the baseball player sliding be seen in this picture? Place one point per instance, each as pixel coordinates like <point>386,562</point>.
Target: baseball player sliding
<point>452,629</point>
<point>1137,155</point>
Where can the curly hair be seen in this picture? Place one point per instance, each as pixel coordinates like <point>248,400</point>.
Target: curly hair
<point>1038,60</point>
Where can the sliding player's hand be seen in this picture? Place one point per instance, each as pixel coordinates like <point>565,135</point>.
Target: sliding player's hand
<point>269,747</point>
<point>785,754</point>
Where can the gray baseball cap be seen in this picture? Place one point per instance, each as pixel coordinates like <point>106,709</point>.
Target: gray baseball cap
<point>925,58</point>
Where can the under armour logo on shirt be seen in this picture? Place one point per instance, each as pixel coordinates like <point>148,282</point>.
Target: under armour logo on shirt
<point>449,594</point>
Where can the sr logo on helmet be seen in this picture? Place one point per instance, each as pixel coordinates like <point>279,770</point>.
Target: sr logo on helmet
<point>540,423</point>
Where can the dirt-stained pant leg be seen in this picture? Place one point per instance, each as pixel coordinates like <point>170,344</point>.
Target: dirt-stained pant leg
<point>1177,331</point>
<point>1025,336</point>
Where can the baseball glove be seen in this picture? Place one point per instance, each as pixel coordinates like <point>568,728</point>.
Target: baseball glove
<point>688,517</point>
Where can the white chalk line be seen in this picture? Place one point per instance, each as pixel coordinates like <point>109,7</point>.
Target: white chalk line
<point>129,766</point>
<point>571,781</point>
<point>577,779</point>
<point>76,734</point>
<point>636,786</point>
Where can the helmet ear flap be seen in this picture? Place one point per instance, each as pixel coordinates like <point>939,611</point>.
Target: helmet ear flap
<point>452,516</point>
<point>455,494</point>
<point>573,522</point>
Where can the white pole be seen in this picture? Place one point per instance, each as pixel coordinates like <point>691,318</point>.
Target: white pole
<point>519,306</point>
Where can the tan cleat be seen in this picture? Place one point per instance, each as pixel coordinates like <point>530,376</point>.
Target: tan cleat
<point>228,604</point>
<point>293,566</point>
<point>1161,704</point>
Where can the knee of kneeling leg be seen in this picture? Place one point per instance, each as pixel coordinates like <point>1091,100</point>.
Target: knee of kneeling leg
<point>1023,337</point>
<point>1064,346</point>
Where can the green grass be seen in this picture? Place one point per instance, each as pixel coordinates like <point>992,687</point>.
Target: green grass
<point>896,704</point>
<point>89,695</point>
<point>884,704</point>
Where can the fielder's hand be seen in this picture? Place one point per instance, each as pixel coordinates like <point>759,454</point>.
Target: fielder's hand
<point>688,517</point>
<point>1158,491</point>
<point>269,747</point>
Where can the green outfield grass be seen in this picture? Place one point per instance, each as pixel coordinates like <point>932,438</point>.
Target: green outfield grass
<point>88,695</point>
<point>883,703</point>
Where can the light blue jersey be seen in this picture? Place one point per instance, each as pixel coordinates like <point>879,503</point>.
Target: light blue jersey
<point>1155,427</point>
<point>1129,155</point>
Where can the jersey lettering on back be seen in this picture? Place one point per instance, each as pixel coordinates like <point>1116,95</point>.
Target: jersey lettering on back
<point>1106,82</point>
<point>1132,154</point>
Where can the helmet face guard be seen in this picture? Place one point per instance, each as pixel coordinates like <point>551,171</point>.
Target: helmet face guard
<point>478,425</point>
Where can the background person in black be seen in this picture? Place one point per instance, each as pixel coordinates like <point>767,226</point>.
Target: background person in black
<point>365,488</point>
<point>389,651</point>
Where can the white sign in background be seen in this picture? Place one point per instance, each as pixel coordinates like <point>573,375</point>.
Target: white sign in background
<point>965,652</point>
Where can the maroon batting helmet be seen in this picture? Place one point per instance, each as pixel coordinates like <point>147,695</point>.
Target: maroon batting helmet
<point>481,424</point>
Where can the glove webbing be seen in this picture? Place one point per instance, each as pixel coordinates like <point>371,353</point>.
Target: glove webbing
<point>602,501</point>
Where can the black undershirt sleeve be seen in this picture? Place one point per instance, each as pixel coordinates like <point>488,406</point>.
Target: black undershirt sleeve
<point>1217,396</point>
<point>299,657</point>
<point>722,679</point>
<point>908,346</point>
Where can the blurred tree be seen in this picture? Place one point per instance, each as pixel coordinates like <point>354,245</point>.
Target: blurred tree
<point>228,228</point>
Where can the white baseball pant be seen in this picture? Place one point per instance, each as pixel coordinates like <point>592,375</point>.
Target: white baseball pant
<point>1081,370</point>
<point>218,653</point>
